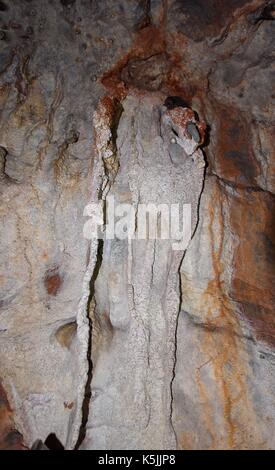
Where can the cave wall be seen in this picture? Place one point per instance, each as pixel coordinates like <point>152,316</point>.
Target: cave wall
<point>56,63</point>
<point>137,287</point>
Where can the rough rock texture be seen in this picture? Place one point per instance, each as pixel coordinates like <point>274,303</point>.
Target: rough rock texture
<point>10,438</point>
<point>223,395</point>
<point>137,290</point>
<point>55,65</point>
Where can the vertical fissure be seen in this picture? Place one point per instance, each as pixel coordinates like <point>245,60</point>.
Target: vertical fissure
<point>87,395</point>
<point>153,178</point>
<point>105,122</point>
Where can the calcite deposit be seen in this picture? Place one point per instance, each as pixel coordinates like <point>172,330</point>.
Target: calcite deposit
<point>74,359</point>
<point>137,291</point>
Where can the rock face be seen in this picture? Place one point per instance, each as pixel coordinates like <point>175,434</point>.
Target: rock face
<point>10,438</point>
<point>137,295</point>
<point>55,67</point>
<point>222,332</point>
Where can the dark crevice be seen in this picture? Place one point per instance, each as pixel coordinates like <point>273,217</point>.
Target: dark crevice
<point>180,307</point>
<point>249,189</point>
<point>53,443</point>
<point>213,328</point>
<point>265,13</point>
<point>87,396</point>
<point>118,109</point>
<point>146,19</point>
<point>175,354</point>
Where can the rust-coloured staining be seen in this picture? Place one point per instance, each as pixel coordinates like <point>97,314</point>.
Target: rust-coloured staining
<point>221,338</point>
<point>66,333</point>
<point>10,438</point>
<point>106,118</point>
<point>234,158</point>
<point>107,106</point>
<point>53,281</point>
<point>149,42</point>
<point>68,405</point>
<point>146,74</point>
<point>182,117</point>
<point>250,295</point>
<point>270,139</point>
<point>138,69</point>
<point>221,349</point>
<point>254,260</point>
<point>220,345</point>
<point>44,256</point>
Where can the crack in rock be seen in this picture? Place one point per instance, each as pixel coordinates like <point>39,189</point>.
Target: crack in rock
<point>137,288</point>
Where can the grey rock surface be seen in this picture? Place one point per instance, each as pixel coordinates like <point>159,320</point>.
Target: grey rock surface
<point>137,289</point>
<point>56,64</point>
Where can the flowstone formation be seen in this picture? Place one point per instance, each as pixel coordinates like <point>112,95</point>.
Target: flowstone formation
<point>152,158</point>
<point>56,64</point>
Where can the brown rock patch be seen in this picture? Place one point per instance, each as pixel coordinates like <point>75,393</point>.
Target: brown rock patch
<point>53,281</point>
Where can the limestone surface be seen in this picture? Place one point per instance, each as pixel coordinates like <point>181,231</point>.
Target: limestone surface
<point>57,64</point>
<point>137,290</point>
